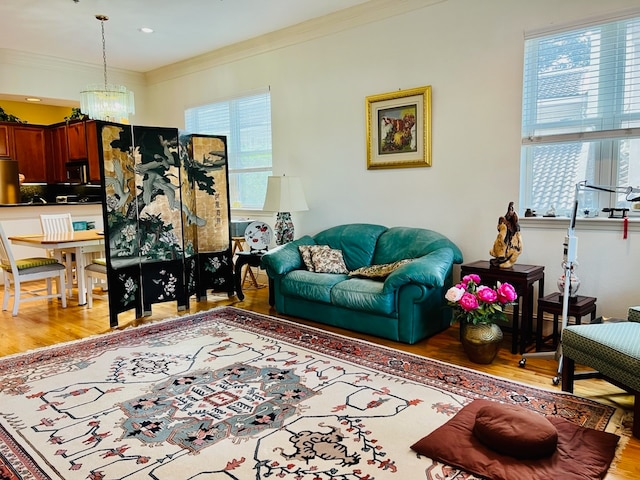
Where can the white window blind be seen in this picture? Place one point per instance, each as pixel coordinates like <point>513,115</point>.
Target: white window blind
<point>246,122</point>
<point>580,115</point>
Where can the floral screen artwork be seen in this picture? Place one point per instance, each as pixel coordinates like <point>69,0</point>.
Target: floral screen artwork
<point>167,216</point>
<point>208,174</point>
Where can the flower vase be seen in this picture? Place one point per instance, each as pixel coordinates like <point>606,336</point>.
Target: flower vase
<point>481,342</point>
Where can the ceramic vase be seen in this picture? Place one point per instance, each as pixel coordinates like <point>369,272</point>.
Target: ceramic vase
<point>481,342</point>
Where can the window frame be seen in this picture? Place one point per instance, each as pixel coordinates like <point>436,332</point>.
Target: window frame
<point>235,150</point>
<point>609,130</point>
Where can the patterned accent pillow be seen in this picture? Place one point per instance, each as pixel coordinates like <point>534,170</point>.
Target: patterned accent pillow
<point>328,260</point>
<point>306,251</point>
<point>379,272</point>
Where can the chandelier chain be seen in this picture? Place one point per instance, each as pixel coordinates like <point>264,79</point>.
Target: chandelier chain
<point>104,52</point>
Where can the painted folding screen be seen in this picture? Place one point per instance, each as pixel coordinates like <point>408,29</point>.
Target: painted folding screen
<point>166,215</point>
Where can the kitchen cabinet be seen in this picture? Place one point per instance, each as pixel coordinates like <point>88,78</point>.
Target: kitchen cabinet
<point>92,151</point>
<point>6,140</point>
<point>58,153</point>
<point>77,141</point>
<point>30,152</point>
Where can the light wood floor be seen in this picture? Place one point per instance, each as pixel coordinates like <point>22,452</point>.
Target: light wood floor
<point>42,323</point>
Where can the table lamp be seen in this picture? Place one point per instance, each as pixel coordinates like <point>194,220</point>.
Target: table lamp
<point>284,195</point>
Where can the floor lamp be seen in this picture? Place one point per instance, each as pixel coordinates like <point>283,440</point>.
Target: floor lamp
<point>570,255</point>
<point>284,195</point>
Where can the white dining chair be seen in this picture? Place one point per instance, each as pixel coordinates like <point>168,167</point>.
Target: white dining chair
<point>19,271</point>
<point>97,270</point>
<point>61,223</point>
<point>56,223</point>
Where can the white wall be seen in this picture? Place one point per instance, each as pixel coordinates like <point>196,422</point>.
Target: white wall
<point>470,52</point>
<point>30,75</point>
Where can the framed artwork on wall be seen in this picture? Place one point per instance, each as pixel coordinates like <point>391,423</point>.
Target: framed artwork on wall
<point>399,129</point>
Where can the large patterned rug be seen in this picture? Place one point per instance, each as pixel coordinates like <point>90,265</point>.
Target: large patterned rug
<point>229,394</point>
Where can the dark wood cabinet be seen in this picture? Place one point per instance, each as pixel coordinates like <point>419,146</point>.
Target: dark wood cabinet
<point>30,152</point>
<point>58,153</point>
<point>6,140</point>
<point>43,151</point>
<point>92,151</point>
<point>77,141</point>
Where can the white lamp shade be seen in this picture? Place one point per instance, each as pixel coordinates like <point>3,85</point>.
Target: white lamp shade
<point>284,194</point>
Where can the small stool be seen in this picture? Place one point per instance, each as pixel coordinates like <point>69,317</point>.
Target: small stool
<point>578,308</point>
<point>612,349</point>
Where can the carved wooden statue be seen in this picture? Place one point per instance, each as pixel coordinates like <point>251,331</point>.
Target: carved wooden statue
<point>508,244</point>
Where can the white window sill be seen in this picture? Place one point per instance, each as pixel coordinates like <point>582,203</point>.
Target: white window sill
<point>594,223</point>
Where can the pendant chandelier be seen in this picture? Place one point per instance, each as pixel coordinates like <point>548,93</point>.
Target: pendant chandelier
<point>113,103</point>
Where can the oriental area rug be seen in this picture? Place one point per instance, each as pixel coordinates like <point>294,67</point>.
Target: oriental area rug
<point>230,394</point>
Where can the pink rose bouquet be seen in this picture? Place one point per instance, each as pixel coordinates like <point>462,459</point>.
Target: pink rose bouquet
<point>475,303</point>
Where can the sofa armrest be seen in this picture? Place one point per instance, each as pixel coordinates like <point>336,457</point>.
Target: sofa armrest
<point>284,258</point>
<point>430,270</point>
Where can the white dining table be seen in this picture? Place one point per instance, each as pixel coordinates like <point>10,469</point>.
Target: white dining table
<point>81,242</point>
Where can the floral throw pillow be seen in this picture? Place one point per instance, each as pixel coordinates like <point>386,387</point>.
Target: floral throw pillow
<point>328,261</point>
<point>307,250</point>
<point>378,272</point>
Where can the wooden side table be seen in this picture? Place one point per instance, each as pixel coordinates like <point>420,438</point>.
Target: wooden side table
<point>238,246</point>
<point>523,278</point>
<point>578,308</point>
<point>252,259</point>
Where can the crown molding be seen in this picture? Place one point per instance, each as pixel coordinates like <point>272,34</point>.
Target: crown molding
<point>47,63</point>
<point>368,12</point>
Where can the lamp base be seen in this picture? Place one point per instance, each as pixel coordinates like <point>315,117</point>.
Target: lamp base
<point>283,228</point>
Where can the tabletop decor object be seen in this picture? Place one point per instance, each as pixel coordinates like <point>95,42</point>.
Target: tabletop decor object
<point>258,236</point>
<point>507,246</point>
<point>477,307</point>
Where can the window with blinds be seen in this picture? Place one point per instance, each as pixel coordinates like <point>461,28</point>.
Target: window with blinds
<point>581,116</point>
<point>246,122</point>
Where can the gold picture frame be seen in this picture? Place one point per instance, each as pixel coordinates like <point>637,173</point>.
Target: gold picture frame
<point>399,129</point>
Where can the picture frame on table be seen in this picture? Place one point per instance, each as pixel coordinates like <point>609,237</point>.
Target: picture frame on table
<point>399,129</point>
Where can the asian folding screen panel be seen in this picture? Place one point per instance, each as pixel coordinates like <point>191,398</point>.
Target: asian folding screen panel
<point>166,210</point>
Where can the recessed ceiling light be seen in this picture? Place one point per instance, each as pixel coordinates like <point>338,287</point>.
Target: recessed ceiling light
<point>32,99</point>
<point>146,30</point>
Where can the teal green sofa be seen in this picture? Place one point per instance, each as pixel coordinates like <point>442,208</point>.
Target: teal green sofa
<point>406,306</point>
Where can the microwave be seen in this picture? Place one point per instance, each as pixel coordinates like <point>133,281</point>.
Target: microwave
<point>77,172</point>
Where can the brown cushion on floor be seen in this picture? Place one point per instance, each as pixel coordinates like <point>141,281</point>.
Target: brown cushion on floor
<point>582,453</point>
<point>515,431</point>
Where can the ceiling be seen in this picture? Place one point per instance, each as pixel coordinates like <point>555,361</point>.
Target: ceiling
<point>68,29</point>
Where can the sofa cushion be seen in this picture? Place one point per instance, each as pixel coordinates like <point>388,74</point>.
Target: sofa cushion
<point>357,242</point>
<point>328,261</point>
<point>307,251</point>
<point>310,285</point>
<point>364,295</point>
<point>409,242</point>
<point>379,272</point>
